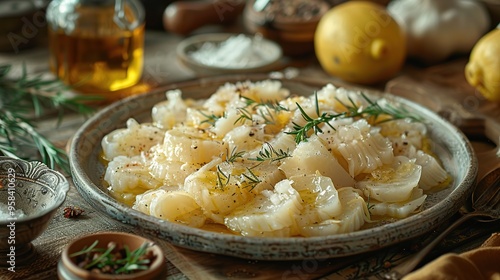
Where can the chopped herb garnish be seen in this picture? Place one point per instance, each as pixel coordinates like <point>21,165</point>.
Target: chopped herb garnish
<point>210,118</point>
<point>222,178</point>
<point>251,179</point>
<point>270,154</point>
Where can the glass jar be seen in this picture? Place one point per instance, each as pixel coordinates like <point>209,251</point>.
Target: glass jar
<point>96,46</point>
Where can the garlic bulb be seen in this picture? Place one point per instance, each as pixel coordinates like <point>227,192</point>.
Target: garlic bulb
<point>437,29</point>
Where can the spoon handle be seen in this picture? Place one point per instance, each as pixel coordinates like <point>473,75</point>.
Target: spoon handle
<point>409,264</point>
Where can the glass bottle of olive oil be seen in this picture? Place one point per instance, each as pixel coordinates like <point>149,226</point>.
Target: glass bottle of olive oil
<point>96,46</point>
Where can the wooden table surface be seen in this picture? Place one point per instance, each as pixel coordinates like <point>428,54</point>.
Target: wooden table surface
<point>441,87</point>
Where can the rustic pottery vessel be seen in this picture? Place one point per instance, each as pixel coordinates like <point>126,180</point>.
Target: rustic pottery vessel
<point>33,192</point>
<point>295,33</point>
<point>67,269</point>
<point>450,145</point>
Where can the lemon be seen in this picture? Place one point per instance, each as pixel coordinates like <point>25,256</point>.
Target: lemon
<point>359,42</point>
<point>483,69</point>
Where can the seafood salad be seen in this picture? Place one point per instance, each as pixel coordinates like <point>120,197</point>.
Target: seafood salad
<point>258,161</point>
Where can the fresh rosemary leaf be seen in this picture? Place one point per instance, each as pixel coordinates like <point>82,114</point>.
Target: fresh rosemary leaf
<point>270,154</point>
<point>373,110</point>
<point>25,98</point>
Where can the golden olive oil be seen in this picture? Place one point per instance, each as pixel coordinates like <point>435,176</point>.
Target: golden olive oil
<point>93,53</point>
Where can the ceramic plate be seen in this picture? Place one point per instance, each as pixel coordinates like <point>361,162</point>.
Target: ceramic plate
<point>451,146</point>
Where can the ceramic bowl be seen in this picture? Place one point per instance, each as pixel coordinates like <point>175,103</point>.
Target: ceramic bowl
<point>295,34</point>
<point>35,190</point>
<point>68,269</point>
<point>270,59</point>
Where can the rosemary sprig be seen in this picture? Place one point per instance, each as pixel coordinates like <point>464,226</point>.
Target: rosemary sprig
<point>244,115</point>
<point>270,154</point>
<point>264,108</point>
<point>26,98</point>
<point>234,155</point>
<point>301,132</point>
<point>134,260</point>
<point>113,260</point>
<point>251,179</point>
<point>373,109</point>
<point>271,104</point>
<point>222,178</point>
<point>210,118</point>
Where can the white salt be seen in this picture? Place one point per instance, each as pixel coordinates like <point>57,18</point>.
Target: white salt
<point>239,51</point>
<point>6,214</point>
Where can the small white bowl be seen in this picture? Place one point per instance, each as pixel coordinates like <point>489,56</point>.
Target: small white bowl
<point>268,52</point>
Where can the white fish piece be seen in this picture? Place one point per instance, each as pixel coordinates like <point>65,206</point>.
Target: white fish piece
<point>281,143</point>
<point>363,149</point>
<point>129,175</point>
<point>191,145</point>
<point>168,171</point>
<point>216,191</point>
<point>398,210</point>
<point>244,138</point>
<point>199,118</point>
<point>353,217</point>
<point>228,122</point>
<point>260,91</point>
<point>313,156</point>
<point>143,200</point>
<point>334,99</point>
<point>406,132</point>
<point>319,198</point>
<point>433,174</point>
<point>219,101</point>
<point>253,176</point>
<point>269,211</point>
<point>171,111</point>
<point>132,140</point>
<point>179,207</point>
<point>393,183</point>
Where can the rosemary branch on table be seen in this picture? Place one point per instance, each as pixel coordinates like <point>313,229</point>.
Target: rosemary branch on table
<point>23,100</point>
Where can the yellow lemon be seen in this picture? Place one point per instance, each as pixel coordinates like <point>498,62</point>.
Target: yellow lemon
<point>359,42</point>
<point>483,69</point>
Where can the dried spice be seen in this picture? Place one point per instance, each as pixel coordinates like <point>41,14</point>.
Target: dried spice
<point>72,211</point>
<point>302,9</point>
<point>114,258</point>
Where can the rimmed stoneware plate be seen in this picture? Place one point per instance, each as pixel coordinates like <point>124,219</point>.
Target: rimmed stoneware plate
<point>451,146</point>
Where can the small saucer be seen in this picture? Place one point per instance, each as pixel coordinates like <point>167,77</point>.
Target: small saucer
<point>239,53</point>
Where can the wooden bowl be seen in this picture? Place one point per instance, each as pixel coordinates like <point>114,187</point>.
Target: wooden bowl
<point>295,35</point>
<point>68,269</point>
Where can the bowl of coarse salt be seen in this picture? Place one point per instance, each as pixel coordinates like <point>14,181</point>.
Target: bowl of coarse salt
<point>30,194</point>
<point>227,53</point>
